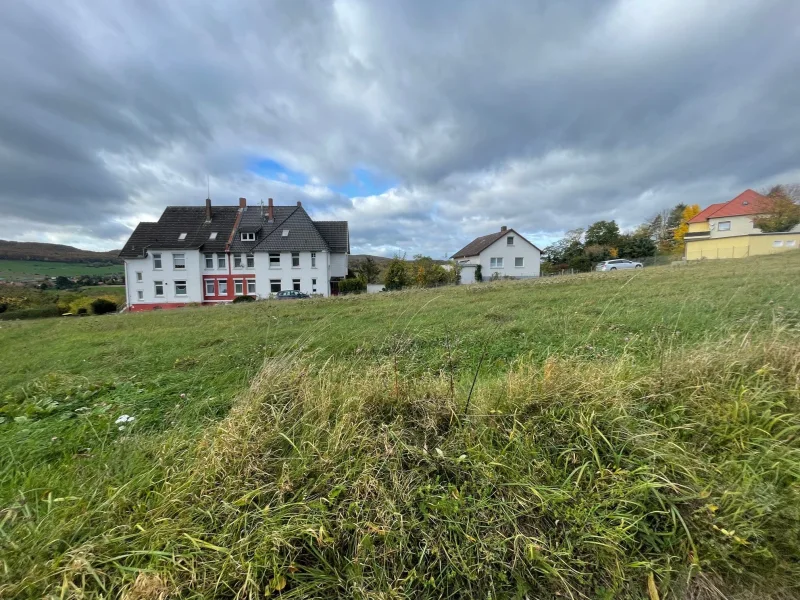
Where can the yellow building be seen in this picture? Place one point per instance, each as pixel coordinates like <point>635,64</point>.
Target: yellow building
<point>726,230</point>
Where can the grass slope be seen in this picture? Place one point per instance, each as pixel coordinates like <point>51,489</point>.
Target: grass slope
<point>626,430</point>
<point>21,270</point>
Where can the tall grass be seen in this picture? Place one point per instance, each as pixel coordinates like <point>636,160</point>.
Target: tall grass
<point>568,477</point>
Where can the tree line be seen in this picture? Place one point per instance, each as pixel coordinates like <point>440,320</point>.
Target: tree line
<point>580,249</point>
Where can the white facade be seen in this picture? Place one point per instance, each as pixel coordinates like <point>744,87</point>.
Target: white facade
<point>147,283</point>
<point>144,278</point>
<point>509,256</point>
<point>312,273</point>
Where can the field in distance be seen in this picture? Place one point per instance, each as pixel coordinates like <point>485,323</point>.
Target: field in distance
<point>628,435</point>
<point>26,270</point>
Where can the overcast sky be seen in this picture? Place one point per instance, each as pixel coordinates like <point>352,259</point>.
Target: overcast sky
<point>423,123</point>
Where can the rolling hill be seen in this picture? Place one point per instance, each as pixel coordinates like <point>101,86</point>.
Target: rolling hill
<point>10,250</point>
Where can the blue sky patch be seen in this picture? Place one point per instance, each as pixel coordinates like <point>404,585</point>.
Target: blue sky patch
<point>272,169</point>
<point>363,182</point>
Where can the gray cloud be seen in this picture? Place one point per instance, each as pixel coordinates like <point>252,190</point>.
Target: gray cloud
<point>542,116</point>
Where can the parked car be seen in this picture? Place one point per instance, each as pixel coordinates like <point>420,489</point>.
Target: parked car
<point>618,263</point>
<point>291,295</point>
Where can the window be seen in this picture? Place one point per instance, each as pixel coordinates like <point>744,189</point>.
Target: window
<point>237,287</point>
<point>295,259</point>
<point>209,287</point>
<point>138,276</point>
<point>314,285</point>
<point>251,261</point>
<point>157,261</point>
<point>274,260</point>
<point>496,263</point>
<point>159,285</point>
<point>180,288</point>
<point>790,243</point>
<point>213,235</point>
<point>510,240</point>
<point>296,285</point>
<point>209,261</point>
<point>237,261</point>
<point>251,287</point>
<point>519,261</point>
<point>285,233</point>
<point>223,287</point>
<point>777,244</point>
<point>221,261</point>
<point>724,226</point>
<point>313,260</point>
<point>178,261</point>
<point>182,236</point>
<point>274,285</point>
<point>139,295</point>
<point>248,237</point>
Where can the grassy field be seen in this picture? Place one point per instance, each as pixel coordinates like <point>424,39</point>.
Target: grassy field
<point>22,270</point>
<point>628,435</point>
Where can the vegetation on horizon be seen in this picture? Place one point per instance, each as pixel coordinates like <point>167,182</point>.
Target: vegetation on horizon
<point>595,436</point>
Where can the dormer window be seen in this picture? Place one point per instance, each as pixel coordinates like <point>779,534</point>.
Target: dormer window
<point>285,233</point>
<point>182,236</point>
<point>248,237</point>
<point>213,235</point>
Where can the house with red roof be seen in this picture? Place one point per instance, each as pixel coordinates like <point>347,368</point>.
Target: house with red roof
<point>727,230</point>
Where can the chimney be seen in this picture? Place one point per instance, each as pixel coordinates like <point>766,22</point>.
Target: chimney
<point>503,228</point>
<point>242,203</point>
<point>270,214</point>
<point>208,210</point>
<point>299,203</point>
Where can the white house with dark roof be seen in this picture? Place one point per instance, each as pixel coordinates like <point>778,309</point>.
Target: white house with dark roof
<point>506,253</point>
<point>213,254</point>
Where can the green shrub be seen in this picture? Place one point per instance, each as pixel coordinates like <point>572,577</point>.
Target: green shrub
<point>355,285</point>
<point>396,275</point>
<point>240,299</point>
<point>478,274</point>
<point>39,312</point>
<point>102,306</point>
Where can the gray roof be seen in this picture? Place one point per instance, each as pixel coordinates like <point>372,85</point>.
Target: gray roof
<point>336,233</point>
<point>178,220</point>
<point>480,244</point>
<point>229,222</point>
<point>295,233</point>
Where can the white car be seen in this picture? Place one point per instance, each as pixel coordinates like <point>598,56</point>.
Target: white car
<point>618,263</point>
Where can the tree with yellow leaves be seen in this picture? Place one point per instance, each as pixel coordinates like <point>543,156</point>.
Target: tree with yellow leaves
<point>689,213</point>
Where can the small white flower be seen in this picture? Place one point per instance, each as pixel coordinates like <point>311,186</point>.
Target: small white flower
<point>183,395</point>
<point>122,427</point>
<point>124,419</point>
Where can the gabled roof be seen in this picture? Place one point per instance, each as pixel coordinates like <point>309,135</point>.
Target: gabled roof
<point>705,213</point>
<point>749,202</point>
<point>143,236</point>
<point>296,233</point>
<point>186,227</point>
<point>176,221</point>
<point>336,234</point>
<point>480,244</point>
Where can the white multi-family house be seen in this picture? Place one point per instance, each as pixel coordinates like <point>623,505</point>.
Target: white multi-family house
<point>213,254</point>
<point>505,253</point>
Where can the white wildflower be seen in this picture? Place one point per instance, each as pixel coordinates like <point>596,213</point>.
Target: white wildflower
<point>124,419</point>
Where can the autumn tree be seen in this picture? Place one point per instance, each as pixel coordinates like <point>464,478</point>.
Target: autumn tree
<point>680,231</point>
<point>784,213</point>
